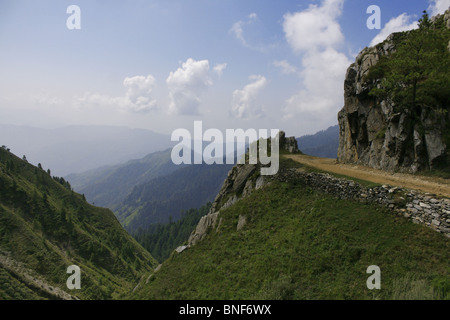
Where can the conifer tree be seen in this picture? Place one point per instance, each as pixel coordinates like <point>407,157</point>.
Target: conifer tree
<point>418,73</point>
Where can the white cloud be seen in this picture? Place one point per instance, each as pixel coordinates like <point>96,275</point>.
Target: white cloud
<point>98,102</point>
<point>219,68</point>
<point>438,7</point>
<point>238,30</point>
<point>314,27</point>
<point>323,76</point>
<point>397,24</point>
<point>316,36</point>
<point>137,98</point>
<point>244,101</point>
<point>285,67</point>
<point>186,85</point>
<point>252,16</point>
<point>45,99</point>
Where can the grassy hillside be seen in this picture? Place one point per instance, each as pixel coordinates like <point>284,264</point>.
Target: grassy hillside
<point>298,243</point>
<point>45,227</point>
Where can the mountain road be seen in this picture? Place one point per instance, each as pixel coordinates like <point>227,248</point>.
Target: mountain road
<point>433,185</point>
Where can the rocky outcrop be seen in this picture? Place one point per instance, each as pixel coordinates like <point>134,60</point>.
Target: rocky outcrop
<point>206,222</point>
<point>241,181</point>
<point>288,144</point>
<point>373,134</point>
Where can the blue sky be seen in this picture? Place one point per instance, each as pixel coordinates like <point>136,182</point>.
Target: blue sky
<point>160,65</point>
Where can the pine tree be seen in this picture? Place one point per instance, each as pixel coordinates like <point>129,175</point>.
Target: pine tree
<point>418,73</point>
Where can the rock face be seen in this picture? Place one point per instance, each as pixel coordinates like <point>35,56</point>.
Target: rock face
<point>371,133</point>
<point>206,222</point>
<point>241,181</point>
<point>289,144</point>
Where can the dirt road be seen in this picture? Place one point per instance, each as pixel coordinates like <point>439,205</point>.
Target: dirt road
<point>431,185</point>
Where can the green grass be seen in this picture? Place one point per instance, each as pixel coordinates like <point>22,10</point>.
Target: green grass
<point>303,244</point>
<point>47,227</point>
<point>289,163</point>
<point>14,289</point>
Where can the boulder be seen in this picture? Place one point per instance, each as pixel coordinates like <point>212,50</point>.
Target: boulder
<point>206,222</point>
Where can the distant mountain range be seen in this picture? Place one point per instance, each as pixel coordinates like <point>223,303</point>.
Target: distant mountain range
<point>323,144</point>
<point>76,149</point>
<point>108,186</point>
<point>151,189</point>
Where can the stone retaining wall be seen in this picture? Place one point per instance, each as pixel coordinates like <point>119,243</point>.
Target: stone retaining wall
<point>421,208</point>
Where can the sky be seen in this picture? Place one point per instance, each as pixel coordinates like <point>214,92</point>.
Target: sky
<point>163,64</point>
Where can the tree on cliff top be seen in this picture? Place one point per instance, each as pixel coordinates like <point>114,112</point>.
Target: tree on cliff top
<point>418,73</point>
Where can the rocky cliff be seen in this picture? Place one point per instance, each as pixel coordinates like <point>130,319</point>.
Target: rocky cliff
<point>374,132</point>
<point>241,181</point>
